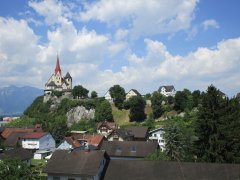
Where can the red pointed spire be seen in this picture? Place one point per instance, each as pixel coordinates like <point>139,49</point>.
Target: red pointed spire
<point>58,69</point>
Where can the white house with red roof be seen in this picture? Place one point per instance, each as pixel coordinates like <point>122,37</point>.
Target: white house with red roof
<point>38,141</point>
<point>57,82</point>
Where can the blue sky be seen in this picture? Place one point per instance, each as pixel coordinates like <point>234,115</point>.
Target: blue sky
<point>140,44</point>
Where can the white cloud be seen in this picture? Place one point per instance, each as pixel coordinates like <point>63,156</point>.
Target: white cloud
<point>196,70</point>
<point>143,18</point>
<point>210,23</point>
<point>52,10</point>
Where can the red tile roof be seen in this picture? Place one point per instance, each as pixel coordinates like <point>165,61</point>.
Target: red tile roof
<point>95,140</point>
<point>73,142</point>
<point>35,135</point>
<point>7,131</point>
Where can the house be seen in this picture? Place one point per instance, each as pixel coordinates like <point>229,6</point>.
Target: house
<point>105,128</point>
<point>131,93</point>
<point>38,141</point>
<point>140,133</point>
<point>20,153</point>
<point>167,90</point>
<point>65,164</point>
<point>108,97</point>
<point>157,135</point>
<point>8,130</point>
<point>14,140</point>
<point>164,170</point>
<point>69,143</point>
<point>58,83</point>
<point>129,149</point>
<point>81,140</point>
<point>120,135</point>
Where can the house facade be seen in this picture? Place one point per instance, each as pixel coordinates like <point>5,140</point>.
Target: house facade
<point>131,93</point>
<point>105,128</point>
<point>57,82</point>
<point>38,141</point>
<point>167,90</point>
<point>120,135</point>
<point>157,135</point>
<point>108,97</point>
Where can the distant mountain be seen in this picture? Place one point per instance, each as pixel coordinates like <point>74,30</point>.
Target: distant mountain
<point>14,100</point>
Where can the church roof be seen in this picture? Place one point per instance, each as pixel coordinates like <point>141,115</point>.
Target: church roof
<point>68,76</point>
<point>58,69</point>
<point>51,84</point>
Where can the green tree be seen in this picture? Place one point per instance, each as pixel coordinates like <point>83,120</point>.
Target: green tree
<point>147,96</point>
<point>150,122</point>
<point>196,98</point>
<point>136,104</point>
<point>94,94</point>
<point>180,101</point>
<point>80,92</point>
<point>103,112</point>
<point>12,168</point>
<point>57,125</point>
<point>118,94</point>
<point>84,125</point>
<point>174,142</point>
<point>157,109</point>
<point>158,156</point>
<point>210,143</point>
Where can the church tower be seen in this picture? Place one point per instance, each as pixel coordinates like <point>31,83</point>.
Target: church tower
<point>58,83</point>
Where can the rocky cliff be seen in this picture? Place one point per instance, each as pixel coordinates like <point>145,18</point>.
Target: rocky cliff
<point>79,113</point>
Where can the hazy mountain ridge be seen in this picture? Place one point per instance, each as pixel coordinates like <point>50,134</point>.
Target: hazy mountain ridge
<point>14,100</point>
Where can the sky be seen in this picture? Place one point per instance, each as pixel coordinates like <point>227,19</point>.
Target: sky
<point>138,44</point>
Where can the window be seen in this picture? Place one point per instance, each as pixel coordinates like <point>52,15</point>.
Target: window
<point>56,178</point>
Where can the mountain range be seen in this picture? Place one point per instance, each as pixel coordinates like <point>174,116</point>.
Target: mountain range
<point>14,100</point>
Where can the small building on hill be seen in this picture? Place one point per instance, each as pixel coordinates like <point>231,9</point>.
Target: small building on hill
<point>38,141</point>
<point>120,135</point>
<point>167,90</point>
<point>131,93</point>
<point>140,133</point>
<point>157,135</point>
<point>105,128</point>
<point>108,97</point>
<point>57,82</point>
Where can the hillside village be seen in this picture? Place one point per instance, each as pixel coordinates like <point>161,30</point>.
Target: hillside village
<point>167,134</point>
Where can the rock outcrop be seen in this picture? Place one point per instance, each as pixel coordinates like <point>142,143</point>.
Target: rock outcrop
<point>79,113</point>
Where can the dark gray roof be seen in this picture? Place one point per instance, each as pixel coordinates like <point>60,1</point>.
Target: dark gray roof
<point>168,88</point>
<point>138,131</point>
<point>13,139</point>
<point>78,163</point>
<point>129,149</point>
<point>136,92</point>
<point>68,76</point>
<point>52,84</point>
<point>160,170</point>
<point>19,153</point>
<point>123,133</point>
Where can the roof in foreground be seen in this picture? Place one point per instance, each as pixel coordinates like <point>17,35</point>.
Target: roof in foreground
<point>129,148</point>
<point>65,162</point>
<point>19,153</point>
<point>138,131</point>
<point>157,170</point>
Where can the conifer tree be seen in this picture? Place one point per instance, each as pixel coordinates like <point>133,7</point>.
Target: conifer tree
<point>209,146</point>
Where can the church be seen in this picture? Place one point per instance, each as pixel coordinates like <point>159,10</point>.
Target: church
<point>57,82</point>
